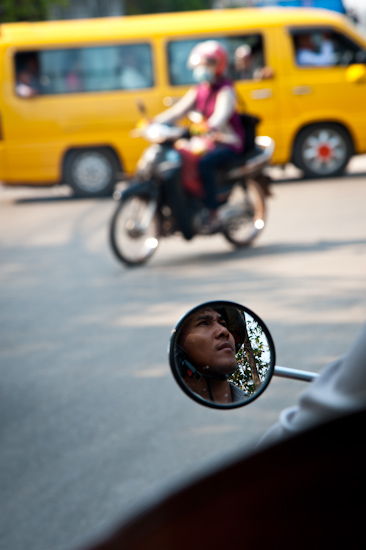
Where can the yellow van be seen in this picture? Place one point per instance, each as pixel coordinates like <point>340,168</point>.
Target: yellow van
<point>69,89</point>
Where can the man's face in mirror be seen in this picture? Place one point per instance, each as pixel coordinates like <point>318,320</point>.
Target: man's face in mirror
<point>208,343</point>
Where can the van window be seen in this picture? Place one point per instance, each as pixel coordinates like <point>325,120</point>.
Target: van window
<point>250,45</point>
<point>325,48</point>
<point>73,70</point>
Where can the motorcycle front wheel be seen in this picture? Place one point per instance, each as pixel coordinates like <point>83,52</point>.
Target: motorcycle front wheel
<point>244,213</point>
<point>134,230</point>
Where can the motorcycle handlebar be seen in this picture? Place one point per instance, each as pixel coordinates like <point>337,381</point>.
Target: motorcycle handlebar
<point>285,372</point>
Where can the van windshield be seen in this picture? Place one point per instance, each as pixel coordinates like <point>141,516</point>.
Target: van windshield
<point>250,44</point>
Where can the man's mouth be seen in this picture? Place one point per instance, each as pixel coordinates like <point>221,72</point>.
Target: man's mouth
<point>225,345</point>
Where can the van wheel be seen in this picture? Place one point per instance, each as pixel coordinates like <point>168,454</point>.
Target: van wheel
<point>322,150</point>
<point>91,172</point>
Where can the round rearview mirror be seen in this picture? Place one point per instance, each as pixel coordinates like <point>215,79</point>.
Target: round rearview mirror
<point>222,354</point>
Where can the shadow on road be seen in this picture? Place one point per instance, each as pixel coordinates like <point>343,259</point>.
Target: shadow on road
<point>255,252</point>
<point>65,198</point>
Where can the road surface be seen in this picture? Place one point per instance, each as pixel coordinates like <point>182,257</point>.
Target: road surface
<point>92,422</point>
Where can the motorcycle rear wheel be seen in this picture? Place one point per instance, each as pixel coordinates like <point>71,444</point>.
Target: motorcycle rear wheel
<point>132,241</point>
<point>248,210</point>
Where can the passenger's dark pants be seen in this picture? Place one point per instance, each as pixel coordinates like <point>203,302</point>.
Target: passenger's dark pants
<point>208,165</point>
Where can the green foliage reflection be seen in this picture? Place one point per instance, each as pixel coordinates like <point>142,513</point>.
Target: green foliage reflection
<point>253,359</point>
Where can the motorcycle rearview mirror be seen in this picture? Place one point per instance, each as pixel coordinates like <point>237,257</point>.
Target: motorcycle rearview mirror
<point>222,355</point>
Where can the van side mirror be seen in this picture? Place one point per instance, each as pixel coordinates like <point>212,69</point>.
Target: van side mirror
<point>356,74</point>
<point>222,354</point>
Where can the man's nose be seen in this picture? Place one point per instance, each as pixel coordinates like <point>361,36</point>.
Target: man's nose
<point>221,331</point>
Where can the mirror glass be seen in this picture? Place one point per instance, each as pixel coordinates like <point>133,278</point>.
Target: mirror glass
<point>222,354</point>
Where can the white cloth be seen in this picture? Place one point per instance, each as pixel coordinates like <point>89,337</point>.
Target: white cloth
<point>23,90</point>
<point>339,390</point>
<point>324,57</point>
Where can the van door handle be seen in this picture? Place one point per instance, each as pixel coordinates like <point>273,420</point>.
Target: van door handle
<point>302,90</point>
<point>262,93</point>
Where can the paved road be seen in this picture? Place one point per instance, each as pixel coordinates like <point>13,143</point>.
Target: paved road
<point>92,422</point>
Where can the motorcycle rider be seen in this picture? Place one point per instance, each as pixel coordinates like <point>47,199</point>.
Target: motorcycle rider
<point>207,345</point>
<point>215,98</point>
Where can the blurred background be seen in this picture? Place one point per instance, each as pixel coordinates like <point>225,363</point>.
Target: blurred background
<point>74,9</point>
<point>92,424</point>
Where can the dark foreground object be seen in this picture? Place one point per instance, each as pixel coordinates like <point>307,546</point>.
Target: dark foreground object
<point>306,492</point>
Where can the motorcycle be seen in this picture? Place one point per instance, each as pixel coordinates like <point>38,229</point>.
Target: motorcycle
<point>163,199</point>
<point>303,492</point>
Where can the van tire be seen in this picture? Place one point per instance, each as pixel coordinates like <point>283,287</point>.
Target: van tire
<point>322,150</point>
<point>91,172</point>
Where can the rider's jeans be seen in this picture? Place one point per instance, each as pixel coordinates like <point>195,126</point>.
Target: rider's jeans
<point>208,165</point>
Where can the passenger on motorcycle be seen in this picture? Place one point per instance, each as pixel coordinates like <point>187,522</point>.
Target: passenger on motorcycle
<point>215,99</point>
<point>207,354</point>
